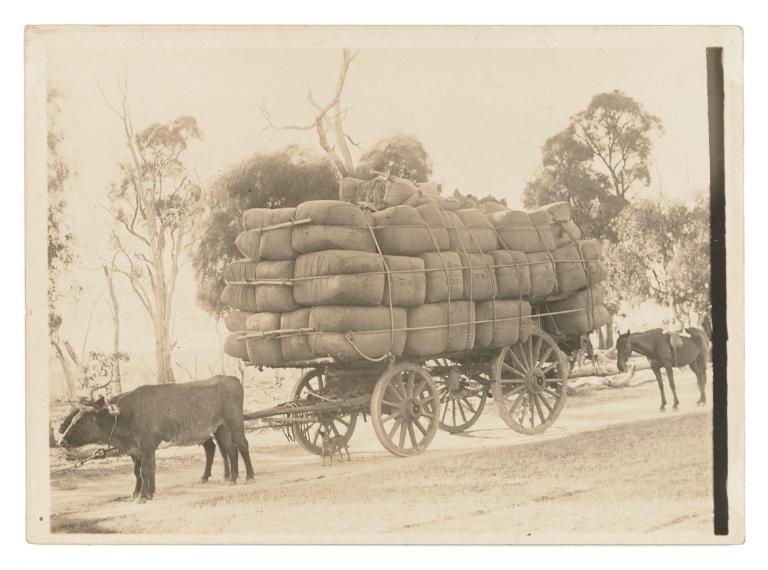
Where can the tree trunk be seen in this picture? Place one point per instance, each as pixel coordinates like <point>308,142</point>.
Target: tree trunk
<point>70,385</point>
<point>609,333</point>
<point>163,359</point>
<point>117,380</point>
<point>601,339</point>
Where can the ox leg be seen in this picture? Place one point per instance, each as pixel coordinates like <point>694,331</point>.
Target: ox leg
<point>657,372</point>
<point>241,444</point>
<point>229,447</point>
<point>210,451</point>
<point>671,379</point>
<point>137,475</point>
<point>147,474</point>
<point>224,449</point>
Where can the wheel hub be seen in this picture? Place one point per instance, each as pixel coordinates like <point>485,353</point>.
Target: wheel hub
<point>412,409</point>
<point>535,381</point>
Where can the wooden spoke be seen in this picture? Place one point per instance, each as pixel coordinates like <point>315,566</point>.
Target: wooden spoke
<point>533,402</point>
<point>415,418</point>
<point>398,423</point>
<point>310,388</point>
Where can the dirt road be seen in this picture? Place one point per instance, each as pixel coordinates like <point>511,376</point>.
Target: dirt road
<point>611,464</point>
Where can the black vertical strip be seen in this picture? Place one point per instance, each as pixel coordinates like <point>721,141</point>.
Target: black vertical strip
<point>715,98</point>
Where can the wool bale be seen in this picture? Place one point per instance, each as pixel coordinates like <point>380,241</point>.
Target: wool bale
<point>245,292</point>
<point>489,207</point>
<point>248,243</point>
<point>498,322</point>
<point>572,264</point>
<point>444,277</point>
<point>448,204</point>
<point>369,329</point>
<point>409,283</point>
<point>264,351</point>
<point>256,243</point>
<point>400,230</point>
<point>543,276</point>
<point>526,323</point>
<point>565,232</point>
<point>520,232</point>
<point>585,313</point>
<point>235,321</point>
<point>437,225</point>
<point>278,297</point>
<point>557,211</point>
<point>427,330</point>
<point>295,347</point>
<point>479,276</point>
<point>235,346</point>
<point>459,238</point>
<point>335,225</point>
<point>513,276</point>
<point>339,277</point>
<point>236,293</point>
<point>349,189</point>
<point>569,270</point>
<point>481,230</point>
<point>420,199</point>
<point>460,321</point>
<point>398,190</point>
<point>592,251</point>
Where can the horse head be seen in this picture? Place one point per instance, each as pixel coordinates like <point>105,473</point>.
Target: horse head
<point>623,350</point>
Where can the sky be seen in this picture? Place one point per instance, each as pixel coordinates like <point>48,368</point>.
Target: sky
<point>482,113</point>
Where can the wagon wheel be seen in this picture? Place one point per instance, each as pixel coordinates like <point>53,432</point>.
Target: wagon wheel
<point>529,383</point>
<point>404,409</point>
<point>308,434</point>
<point>462,398</point>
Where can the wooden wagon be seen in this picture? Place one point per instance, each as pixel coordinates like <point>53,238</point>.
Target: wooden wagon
<point>409,399</point>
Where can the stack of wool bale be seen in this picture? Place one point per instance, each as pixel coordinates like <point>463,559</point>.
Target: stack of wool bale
<point>330,279</point>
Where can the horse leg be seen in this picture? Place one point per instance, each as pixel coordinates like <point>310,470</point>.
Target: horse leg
<point>657,372</point>
<point>671,379</point>
<point>701,380</point>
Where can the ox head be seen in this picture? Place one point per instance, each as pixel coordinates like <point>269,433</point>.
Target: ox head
<point>623,351</point>
<point>87,422</point>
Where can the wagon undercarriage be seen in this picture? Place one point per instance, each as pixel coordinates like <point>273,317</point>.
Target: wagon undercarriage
<point>409,399</point>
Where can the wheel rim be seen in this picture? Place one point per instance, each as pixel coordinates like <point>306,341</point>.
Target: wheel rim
<point>462,398</point>
<point>530,383</point>
<point>308,434</point>
<point>404,410</point>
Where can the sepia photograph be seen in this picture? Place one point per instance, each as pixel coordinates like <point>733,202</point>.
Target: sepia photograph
<point>384,285</point>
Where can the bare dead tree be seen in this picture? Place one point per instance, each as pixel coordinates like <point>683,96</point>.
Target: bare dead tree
<point>154,206</point>
<point>328,121</point>
<point>116,376</point>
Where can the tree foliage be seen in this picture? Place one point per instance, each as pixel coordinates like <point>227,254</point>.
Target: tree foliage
<point>618,131</point>
<point>401,155</point>
<point>61,241</point>
<point>567,175</point>
<point>279,179</point>
<point>663,255</point>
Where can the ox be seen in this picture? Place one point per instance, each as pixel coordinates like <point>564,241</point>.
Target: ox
<point>137,422</point>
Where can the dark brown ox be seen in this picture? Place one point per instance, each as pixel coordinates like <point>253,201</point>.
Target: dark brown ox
<point>137,422</point>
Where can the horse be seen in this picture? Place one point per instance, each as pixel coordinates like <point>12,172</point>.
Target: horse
<point>657,347</point>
